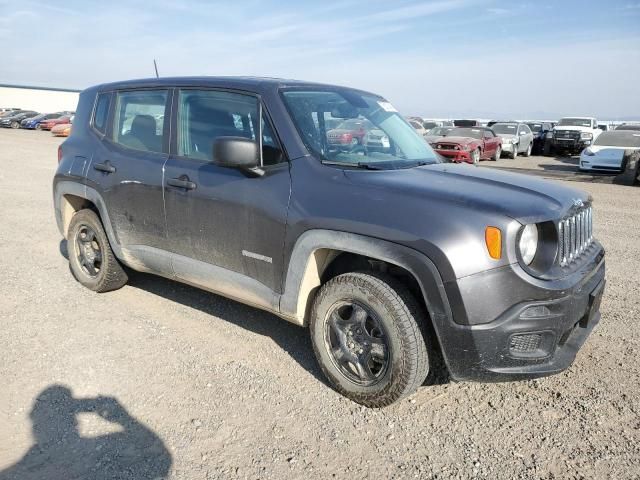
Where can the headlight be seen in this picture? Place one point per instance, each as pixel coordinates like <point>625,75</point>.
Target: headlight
<point>467,147</point>
<point>586,136</point>
<point>514,140</point>
<point>528,244</point>
<point>588,151</point>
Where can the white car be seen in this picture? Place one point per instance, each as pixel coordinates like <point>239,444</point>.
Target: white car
<point>418,127</point>
<point>607,152</point>
<point>516,137</point>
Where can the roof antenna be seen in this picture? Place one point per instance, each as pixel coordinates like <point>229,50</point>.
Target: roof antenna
<point>155,65</point>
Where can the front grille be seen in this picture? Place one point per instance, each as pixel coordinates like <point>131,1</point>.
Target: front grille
<point>525,343</point>
<point>575,235</point>
<point>446,146</point>
<point>572,134</point>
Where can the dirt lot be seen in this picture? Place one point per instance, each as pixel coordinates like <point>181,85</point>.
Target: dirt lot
<point>201,387</point>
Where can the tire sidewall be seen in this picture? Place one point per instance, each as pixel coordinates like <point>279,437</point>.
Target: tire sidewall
<point>89,218</point>
<point>364,294</point>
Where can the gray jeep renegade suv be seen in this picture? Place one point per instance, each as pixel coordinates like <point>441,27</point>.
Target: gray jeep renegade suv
<point>266,191</point>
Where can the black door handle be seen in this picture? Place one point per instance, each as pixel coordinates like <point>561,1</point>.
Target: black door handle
<point>105,167</point>
<point>182,182</point>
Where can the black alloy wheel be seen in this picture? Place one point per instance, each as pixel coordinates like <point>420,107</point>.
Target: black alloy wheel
<point>357,343</point>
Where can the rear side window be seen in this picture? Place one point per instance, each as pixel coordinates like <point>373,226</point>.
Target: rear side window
<point>139,119</point>
<point>101,112</point>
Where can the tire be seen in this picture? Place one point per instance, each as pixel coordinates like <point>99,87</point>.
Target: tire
<point>514,153</point>
<point>385,340</point>
<point>528,152</point>
<point>91,259</point>
<point>15,125</point>
<point>475,156</point>
<point>38,127</point>
<point>496,155</point>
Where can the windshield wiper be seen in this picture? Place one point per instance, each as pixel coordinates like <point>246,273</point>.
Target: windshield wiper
<point>362,165</point>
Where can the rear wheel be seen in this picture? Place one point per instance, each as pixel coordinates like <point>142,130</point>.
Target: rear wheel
<point>91,259</point>
<point>38,127</point>
<point>366,336</point>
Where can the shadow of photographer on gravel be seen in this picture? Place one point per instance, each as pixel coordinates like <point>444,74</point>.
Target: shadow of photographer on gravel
<point>60,452</point>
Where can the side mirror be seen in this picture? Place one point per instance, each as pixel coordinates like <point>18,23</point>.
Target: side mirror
<point>237,152</point>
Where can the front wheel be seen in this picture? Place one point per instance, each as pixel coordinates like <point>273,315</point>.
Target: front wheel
<point>15,125</point>
<point>475,156</point>
<point>91,259</point>
<point>514,153</point>
<point>496,156</point>
<point>528,152</point>
<point>366,336</point>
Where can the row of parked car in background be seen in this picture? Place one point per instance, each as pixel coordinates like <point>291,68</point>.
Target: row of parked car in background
<point>600,146</point>
<point>59,123</point>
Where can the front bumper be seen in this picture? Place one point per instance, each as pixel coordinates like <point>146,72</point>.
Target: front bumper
<point>539,329</point>
<point>574,145</point>
<point>508,147</point>
<point>456,155</point>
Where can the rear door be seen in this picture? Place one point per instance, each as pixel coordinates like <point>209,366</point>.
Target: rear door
<point>221,216</point>
<point>126,167</point>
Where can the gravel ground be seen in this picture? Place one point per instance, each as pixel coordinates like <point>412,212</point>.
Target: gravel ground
<point>162,380</point>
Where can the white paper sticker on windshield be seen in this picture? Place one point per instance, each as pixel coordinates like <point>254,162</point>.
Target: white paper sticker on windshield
<point>387,107</point>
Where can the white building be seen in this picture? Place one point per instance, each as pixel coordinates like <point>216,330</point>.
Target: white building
<point>40,99</point>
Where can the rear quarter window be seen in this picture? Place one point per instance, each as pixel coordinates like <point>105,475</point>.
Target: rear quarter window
<point>101,112</point>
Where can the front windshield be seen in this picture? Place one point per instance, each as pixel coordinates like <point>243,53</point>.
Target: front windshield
<point>371,131</point>
<point>505,128</point>
<point>535,127</point>
<point>439,131</point>
<point>619,138</point>
<point>574,122</point>
<point>465,132</point>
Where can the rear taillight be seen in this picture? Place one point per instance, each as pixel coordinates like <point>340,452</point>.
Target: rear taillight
<point>59,153</point>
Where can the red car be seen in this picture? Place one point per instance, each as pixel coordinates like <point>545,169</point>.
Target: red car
<point>49,124</point>
<point>469,144</point>
<point>349,133</point>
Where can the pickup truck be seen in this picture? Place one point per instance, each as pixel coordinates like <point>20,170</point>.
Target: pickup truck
<point>573,134</point>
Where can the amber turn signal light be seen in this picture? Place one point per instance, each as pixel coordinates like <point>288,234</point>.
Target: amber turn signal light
<point>493,239</point>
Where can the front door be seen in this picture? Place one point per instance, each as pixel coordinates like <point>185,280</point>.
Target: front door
<point>126,167</point>
<point>490,143</point>
<point>224,217</point>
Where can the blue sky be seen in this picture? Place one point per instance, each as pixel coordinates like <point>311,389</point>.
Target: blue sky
<point>440,58</point>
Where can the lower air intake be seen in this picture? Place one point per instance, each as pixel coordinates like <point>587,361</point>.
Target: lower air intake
<point>525,343</point>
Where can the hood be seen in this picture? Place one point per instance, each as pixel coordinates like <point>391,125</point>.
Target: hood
<point>341,131</point>
<point>524,198</point>
<point>457,140</point>
<point>574,128</point>
<point>506,136</point>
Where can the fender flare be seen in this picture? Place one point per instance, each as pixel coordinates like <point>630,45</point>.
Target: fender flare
<point>63,188</point>
<point>311,255</point>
